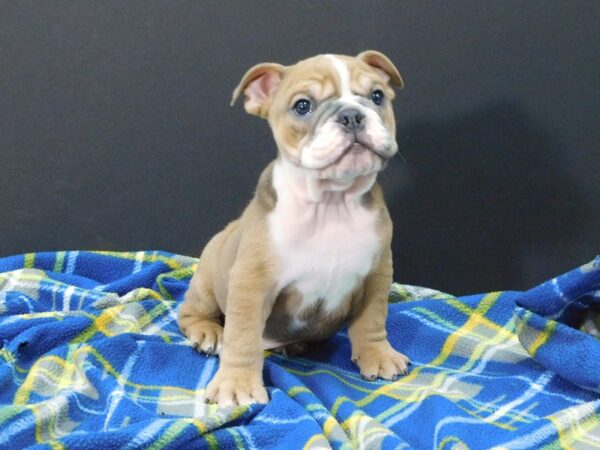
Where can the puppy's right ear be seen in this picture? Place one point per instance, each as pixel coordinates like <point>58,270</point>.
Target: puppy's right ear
<point>258,85</point>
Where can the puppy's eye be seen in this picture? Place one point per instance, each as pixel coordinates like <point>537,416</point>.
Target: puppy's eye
<point>302,107</point>
<point>377,96</point>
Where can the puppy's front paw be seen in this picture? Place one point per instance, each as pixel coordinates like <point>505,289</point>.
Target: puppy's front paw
<point>233,387</point>
<point>380,361</point>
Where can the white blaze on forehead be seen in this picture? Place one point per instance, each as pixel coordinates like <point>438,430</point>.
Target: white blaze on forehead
<point>344,74</point>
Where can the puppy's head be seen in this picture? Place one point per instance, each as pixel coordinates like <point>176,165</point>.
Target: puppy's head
<point>330,114</point>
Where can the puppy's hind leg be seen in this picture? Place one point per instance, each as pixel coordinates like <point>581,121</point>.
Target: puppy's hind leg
<point>200,317</point>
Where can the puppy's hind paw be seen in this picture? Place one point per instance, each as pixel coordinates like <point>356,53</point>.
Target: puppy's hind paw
<point>293,349</point>
<point>205,336</point>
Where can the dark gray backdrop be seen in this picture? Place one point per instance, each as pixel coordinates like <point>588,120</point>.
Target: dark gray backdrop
<point>115,129</point>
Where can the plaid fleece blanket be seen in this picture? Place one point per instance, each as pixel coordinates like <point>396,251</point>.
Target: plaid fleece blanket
<point>91,357</point>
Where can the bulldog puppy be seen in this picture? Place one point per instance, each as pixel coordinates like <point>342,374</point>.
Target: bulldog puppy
<point>311,251</point>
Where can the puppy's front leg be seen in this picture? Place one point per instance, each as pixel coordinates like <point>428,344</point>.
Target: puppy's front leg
<point>371,350</point>
<point>239,378</point>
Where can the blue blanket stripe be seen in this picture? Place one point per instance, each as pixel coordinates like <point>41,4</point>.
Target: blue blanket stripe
<point>91,357</point>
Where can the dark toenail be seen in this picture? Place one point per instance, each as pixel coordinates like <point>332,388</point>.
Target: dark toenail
<point>209,351</point>
<point>394,377</point>
<point>195,345</point>
<point>354,360</point>
<point>409,363</point>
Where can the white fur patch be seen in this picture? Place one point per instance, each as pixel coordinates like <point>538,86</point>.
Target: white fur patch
<point>346,94</point>
<point>343,73</point>
<point>324,247</point>
<point>325,146</point>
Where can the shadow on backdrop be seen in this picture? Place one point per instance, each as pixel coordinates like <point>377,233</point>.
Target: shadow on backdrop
<point>471,211</point>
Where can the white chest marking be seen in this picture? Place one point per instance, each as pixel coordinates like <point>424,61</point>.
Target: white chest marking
<point>324,248</point>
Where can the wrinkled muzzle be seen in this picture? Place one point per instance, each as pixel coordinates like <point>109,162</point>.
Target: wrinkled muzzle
<point>347,140</point>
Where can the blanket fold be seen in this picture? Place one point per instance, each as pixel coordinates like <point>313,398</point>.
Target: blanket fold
<point>548,320</point>
<point>91,357</point>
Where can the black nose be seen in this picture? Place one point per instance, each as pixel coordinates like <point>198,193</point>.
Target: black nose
<point>351,119</point>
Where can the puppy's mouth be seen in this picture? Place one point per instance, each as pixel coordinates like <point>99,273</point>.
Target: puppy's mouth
<point>356,146</point>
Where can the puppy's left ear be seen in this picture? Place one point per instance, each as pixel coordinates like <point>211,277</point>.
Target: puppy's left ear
<point>383,65</point>
<point>258,85</point>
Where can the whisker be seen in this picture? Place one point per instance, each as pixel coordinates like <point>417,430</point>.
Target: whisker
<point>403,158</point>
